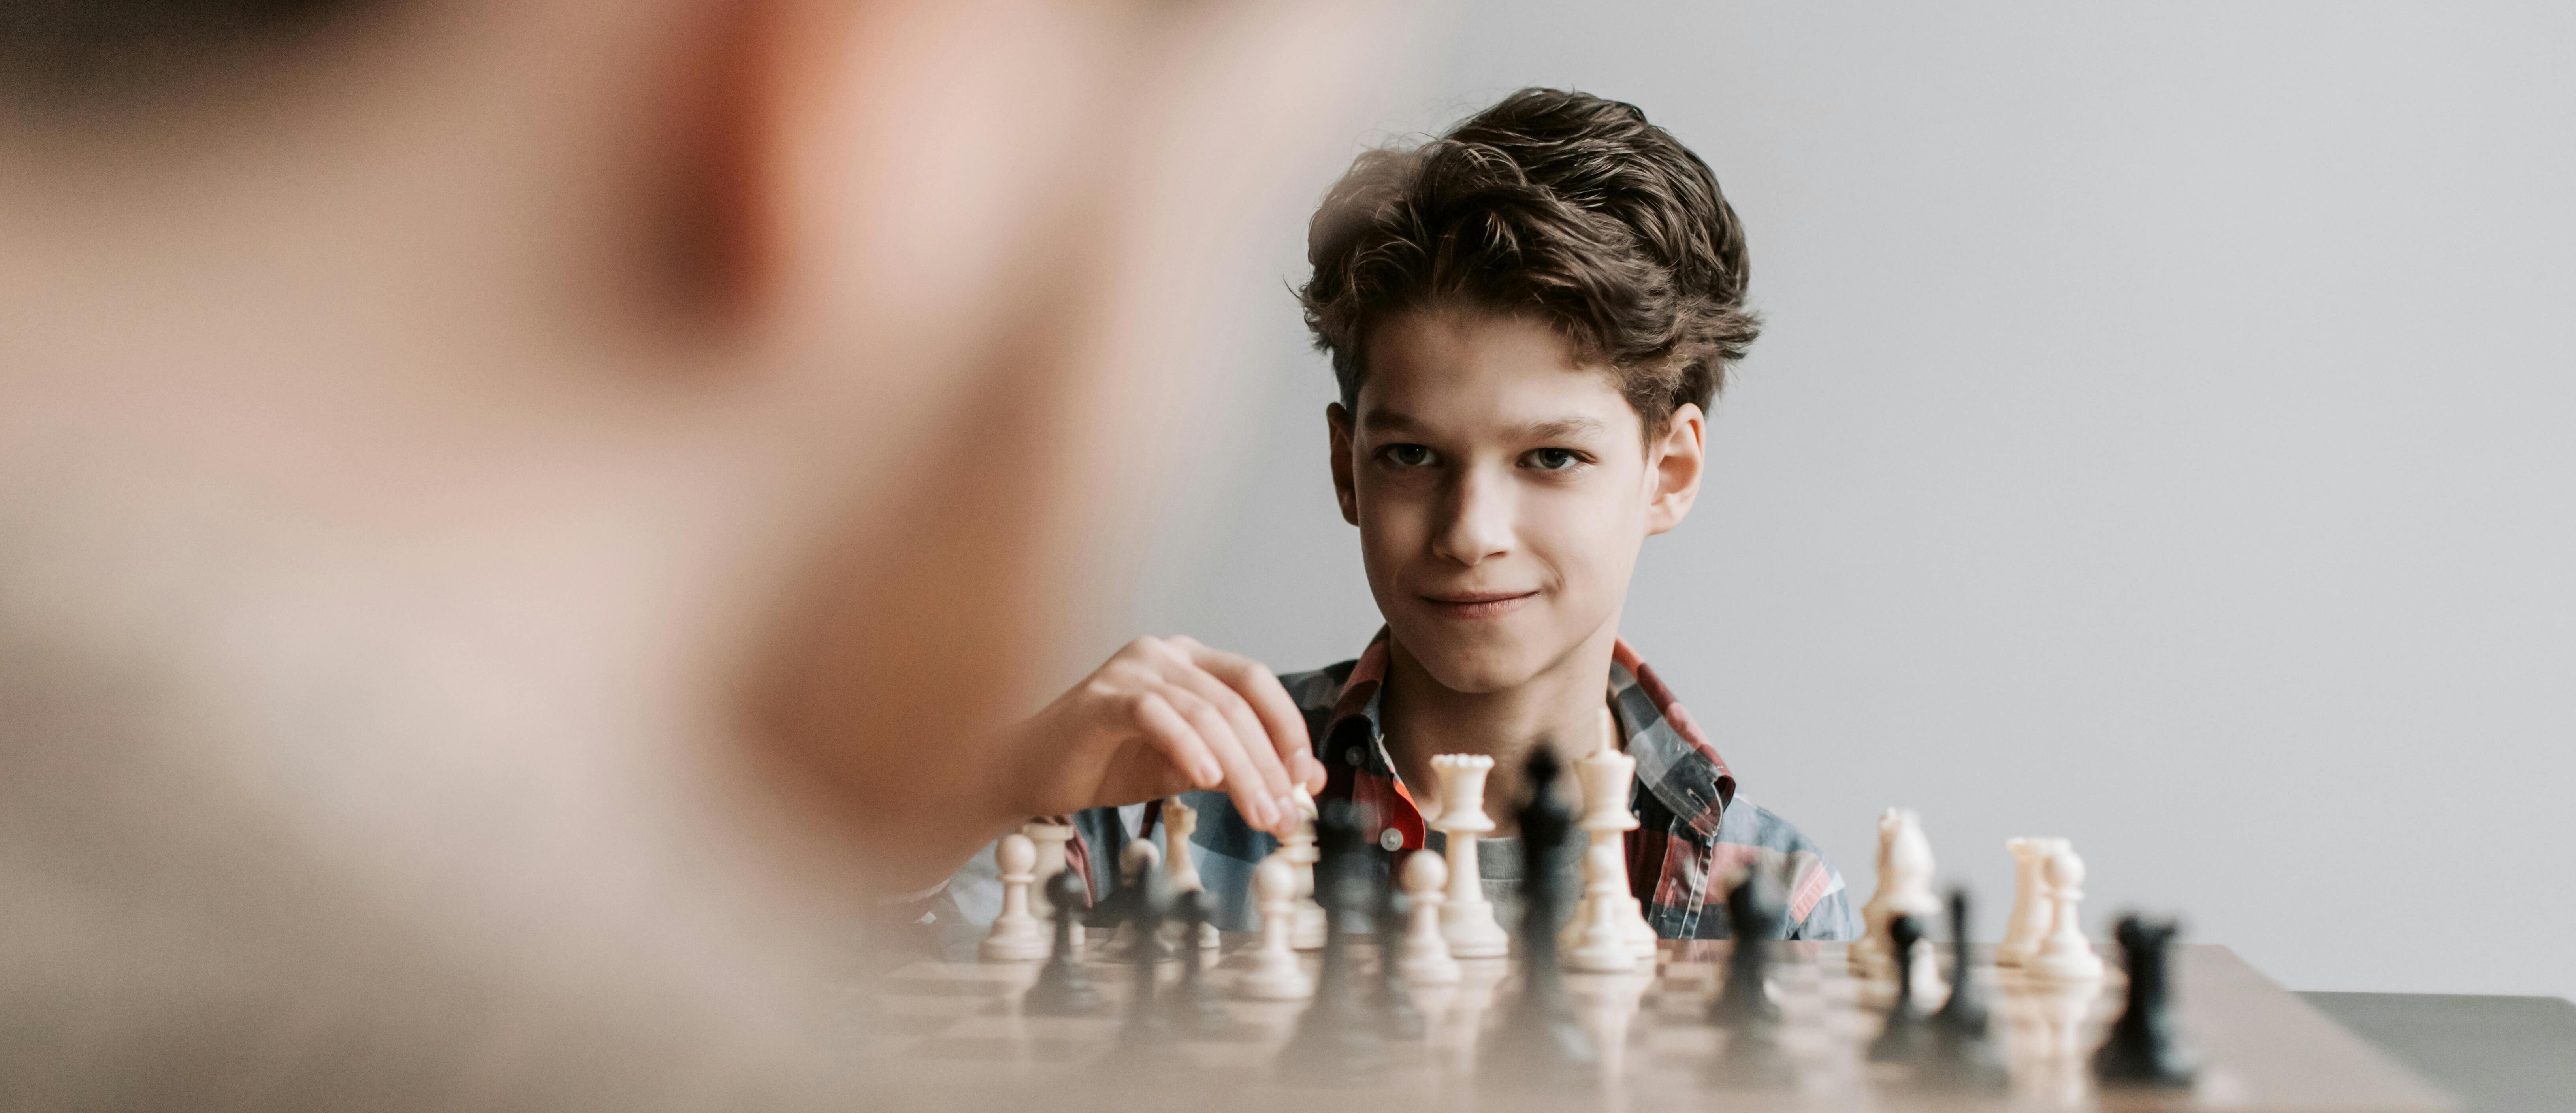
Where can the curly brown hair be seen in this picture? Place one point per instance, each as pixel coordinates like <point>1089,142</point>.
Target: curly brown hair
<point>1558,204</point>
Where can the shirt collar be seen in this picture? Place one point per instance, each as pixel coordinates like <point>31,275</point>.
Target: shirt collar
<point>1675,761</point>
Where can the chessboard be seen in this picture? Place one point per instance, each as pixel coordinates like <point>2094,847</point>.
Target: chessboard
<point>953,1035</point>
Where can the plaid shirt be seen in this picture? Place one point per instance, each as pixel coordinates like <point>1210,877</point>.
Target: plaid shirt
<point>1693,831</point>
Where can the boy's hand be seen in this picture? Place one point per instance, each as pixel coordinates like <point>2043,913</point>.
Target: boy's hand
<point>1165,715</point>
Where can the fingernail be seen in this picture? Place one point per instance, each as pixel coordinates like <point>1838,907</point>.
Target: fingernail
<point>1209,775</point>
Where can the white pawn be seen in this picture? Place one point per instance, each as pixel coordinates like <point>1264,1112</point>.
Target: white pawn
<point>1466,917</point>
<point>1923,968</point>
<point>1603,947</point>
<point>2030,910</point>
<point>1274,974</point>
<point>1181,874</point>
<point>1017,936</point>
<point>2065,956</point>
<point>1302,855</point>
<point>1904,889</point>
<point>1051,840</point>
<point>1425,959</point>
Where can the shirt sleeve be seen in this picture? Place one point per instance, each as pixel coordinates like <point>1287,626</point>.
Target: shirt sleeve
<point>1831,919</point>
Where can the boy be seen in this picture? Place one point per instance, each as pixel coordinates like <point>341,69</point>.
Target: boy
<point>1528,318</point>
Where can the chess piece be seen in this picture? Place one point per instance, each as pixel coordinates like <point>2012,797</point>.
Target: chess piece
<point>1753,916</point>
<point>2029,922</point>
<point>1426,959</point>
<point>1337,1039</point>
<point>1193,1003</point>
<point>1466,917</point>
<point>1396,1015</point>
<point>2065,955</point>
<point>1017,935</point>
<point>1923,972</point>
<point>1302,854</point>
<point>1963,1055</point>
<point>1122,912</point>
<point>1608,778</point>
<point>1540,1037</point>
<point>2144,1047</point>
<point>1050,840</point>
<point>1602,945</point>
<point>1273,973</point>
<point>1180,871</point>
<point>1752,1058</point>
<point>1905,1038</point>
<point>1063,987</point>
<point>1904,889</point>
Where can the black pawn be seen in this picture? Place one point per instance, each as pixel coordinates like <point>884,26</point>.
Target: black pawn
<point>1963,1056</point>
<point>1540,1036</point>
<point>1394,1003</point>
<point>2145,1047</point>
<point>1906,1034</point>
<point>1337,1038</point>
<point>1146,1026</point>
<point>1119,911</point>
<point>1063,987</point>
<point>1753,917</point>
<point>1753,1058</point>
<point>1195,1006</point>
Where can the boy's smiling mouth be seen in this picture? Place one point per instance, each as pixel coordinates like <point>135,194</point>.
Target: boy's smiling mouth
<point>1478,604</point>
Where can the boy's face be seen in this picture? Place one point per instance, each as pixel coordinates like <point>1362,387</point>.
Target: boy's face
<point>1502,488</point>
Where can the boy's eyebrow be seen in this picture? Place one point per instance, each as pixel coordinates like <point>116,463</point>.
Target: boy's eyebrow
<point>1397,421</point>
<point>1563,427</point>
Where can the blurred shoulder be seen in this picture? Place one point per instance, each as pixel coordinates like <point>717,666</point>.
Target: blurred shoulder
<point>1811,888</point>
<point>1317,690</point>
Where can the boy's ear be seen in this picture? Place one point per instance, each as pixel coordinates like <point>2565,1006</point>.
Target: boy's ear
<point>1674,466</point>
<point>1339,421</point>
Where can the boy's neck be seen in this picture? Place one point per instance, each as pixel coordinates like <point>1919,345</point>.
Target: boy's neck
<point>1560,708</point>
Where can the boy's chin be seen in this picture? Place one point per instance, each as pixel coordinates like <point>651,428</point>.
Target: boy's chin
<point>1475,670</point>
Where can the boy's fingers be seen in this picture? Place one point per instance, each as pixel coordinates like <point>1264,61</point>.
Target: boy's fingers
<point>1247,727</point>
<point>1170,732</point>
<point>1243,782</point>
<point>1280,719</point>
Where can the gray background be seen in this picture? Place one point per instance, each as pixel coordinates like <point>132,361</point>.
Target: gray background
<point>2162,439</point>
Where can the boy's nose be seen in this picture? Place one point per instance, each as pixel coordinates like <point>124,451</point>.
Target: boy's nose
<point>1477,523</point>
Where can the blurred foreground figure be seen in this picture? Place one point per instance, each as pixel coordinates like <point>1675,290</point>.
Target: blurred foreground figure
<point>515,517</point>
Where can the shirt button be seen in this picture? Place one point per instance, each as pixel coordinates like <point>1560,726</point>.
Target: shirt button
<point>1391,839</point>
<point>1351,756</point>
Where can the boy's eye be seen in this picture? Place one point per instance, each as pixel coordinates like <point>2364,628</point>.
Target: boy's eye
<point>1406,455</point>
<point>1555,459</point>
